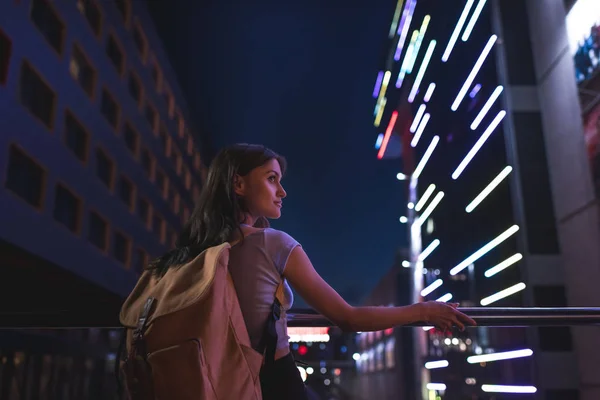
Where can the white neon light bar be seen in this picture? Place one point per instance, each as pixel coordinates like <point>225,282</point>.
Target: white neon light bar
<point>457,29</point>
<point>429,289</point>
<point>489,188</point>
<point>486,107</point>
<point>436,386</point>
<point>429,92</point>
<point>425,157</point>
<point>502,294</point>
<point>474,71</point>
<point>403,219</point>
<point>378,141</point>
<point>401,177</point>
<point>508,389</point>
<point>407,58</point>
<point>418,115</point>
<point>424,64</point>
<point>404,25</point>
<point>436,200</point>
<point>418,43</point>
<point>428,192</point>
<point>473,20</point>
<point>437,364</point>
<point>395,19</point>
<point>503,265</point>
<point>478,145</point>
<point>415,140</point>
<point>482,251</point>
<point>505,355</point>
<point>445,298</point>
<point>429,249</point>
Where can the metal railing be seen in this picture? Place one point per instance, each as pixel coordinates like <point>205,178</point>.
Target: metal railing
<point>492,317</point>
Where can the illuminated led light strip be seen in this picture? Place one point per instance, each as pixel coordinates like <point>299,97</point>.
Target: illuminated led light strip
<point>419,78</point>
<point>482,251</point>
<point>503,265</point>
<point>422,125</point>
<point>437,364</point>
<point>377,84</point>
<point>436,200</point>
<point>388,133</point>
<point>488,189</point>
<point>378,141</point>
<point>407,58</point>
<point>407,14</point>
<point>426,157</point>
<point>429,289</point>
<point>428,192</point>
<point>480,142</point>
<point>429,92</point>
<point>415,123</point>
<point>380,112</point>
<point>457,29</point>
<point>384,85</point>
<point>486,107</point>
<point>475,90</point>
<point>395,19</point>
<point>445,298</point>
<point>436,386</point>
<point>508,389</point>
<point>473,20</point>
<point>432,246</point>
<point>505,355</point>
<point>474,72</point>
<point>502,294</point>
<point>418,43</point>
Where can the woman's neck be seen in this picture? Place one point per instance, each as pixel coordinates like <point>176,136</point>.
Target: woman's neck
<point>247,220</point>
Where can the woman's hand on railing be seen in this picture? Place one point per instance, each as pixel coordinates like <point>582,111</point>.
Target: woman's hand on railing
<point>443,315</point>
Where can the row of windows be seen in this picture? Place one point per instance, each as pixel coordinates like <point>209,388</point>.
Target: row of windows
<point>52,28</point>
<point>27,179</point>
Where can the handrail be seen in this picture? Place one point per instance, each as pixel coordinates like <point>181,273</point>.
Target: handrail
<point>488,316</point>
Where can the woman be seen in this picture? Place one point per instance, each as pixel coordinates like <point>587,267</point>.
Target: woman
<point>243,190</point>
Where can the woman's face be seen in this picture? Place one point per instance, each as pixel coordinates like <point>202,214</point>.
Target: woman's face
<point>262,190</point>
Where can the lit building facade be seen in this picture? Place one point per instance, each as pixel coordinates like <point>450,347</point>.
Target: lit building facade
<point>495,215</point>
<point>99,171</point>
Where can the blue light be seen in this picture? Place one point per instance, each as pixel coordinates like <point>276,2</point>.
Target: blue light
<point>379,141</point>
<point>343,349</point>
<point>295,346</point>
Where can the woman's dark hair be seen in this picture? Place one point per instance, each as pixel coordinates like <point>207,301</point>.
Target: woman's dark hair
<point>216,214</point>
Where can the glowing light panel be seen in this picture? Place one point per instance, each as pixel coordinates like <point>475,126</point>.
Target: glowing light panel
<point>473,20</point>
<point>395,19</point>
<point>486,107</point>
<point>503,265</point>
<point>436,200</point>
<point>488,189</point>
<point>426,156</point>
<point>457,29</point>
<point>418,115</point>
<point>407,14</point>
<point>415,140</point>
<point>502,294</point>
<point>377,84</point>
<point>417,47</point>
<point>445,298</point>
<point>419,78</point>
<point>388,133</point>
<point>429,92</point>
<point>474,71</point>
<point>429,249</point>
<point>436,386</point>
<point>505,355</point>
<point>429,289</point>
<point>423,200</point>
<point>436,364</point>
<point>482,251</point>
<point>378,141</point>
<point>508,389</point>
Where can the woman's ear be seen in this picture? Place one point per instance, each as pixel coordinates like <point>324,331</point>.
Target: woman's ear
<point>239,185</point>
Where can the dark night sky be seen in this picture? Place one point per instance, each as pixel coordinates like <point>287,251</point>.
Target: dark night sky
<point>298,78</point>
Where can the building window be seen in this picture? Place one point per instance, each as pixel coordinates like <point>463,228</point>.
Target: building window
<point>91,11</point>
<point>5,52</point>
<point>165,140</point>
<point>110,109</point>
<point>67,208</point>
<point>98,231</point>
<point>122,248</point>
<point>82,71</point>
<point>143,210</point>
<point>25,177</point>
<point>126,191</point>
<point>188,179</point>
<point>37,96</point>
<point>115,53</point>
<point>147,162</point>
<point>158,226</point>
<point>190,145</point>
<point>140,261</point>
<point>156,75</point>
<point>135,88</point>
<point>168,96</point>
<point>151,117</point>
<point>180,125</point>
<point>105,168</point>
<point>48,23</point>
<point>76,137</point>
<point>140,41</point>
<point>176,202</point>
<point>132,139</point>
<point>161,182</point>
<point>124,7</point>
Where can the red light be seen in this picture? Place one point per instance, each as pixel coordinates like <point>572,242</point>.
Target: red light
<point>302,350</point>
<point>388,133</point>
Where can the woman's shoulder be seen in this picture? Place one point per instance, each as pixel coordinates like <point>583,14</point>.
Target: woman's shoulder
<point>278,235</point>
